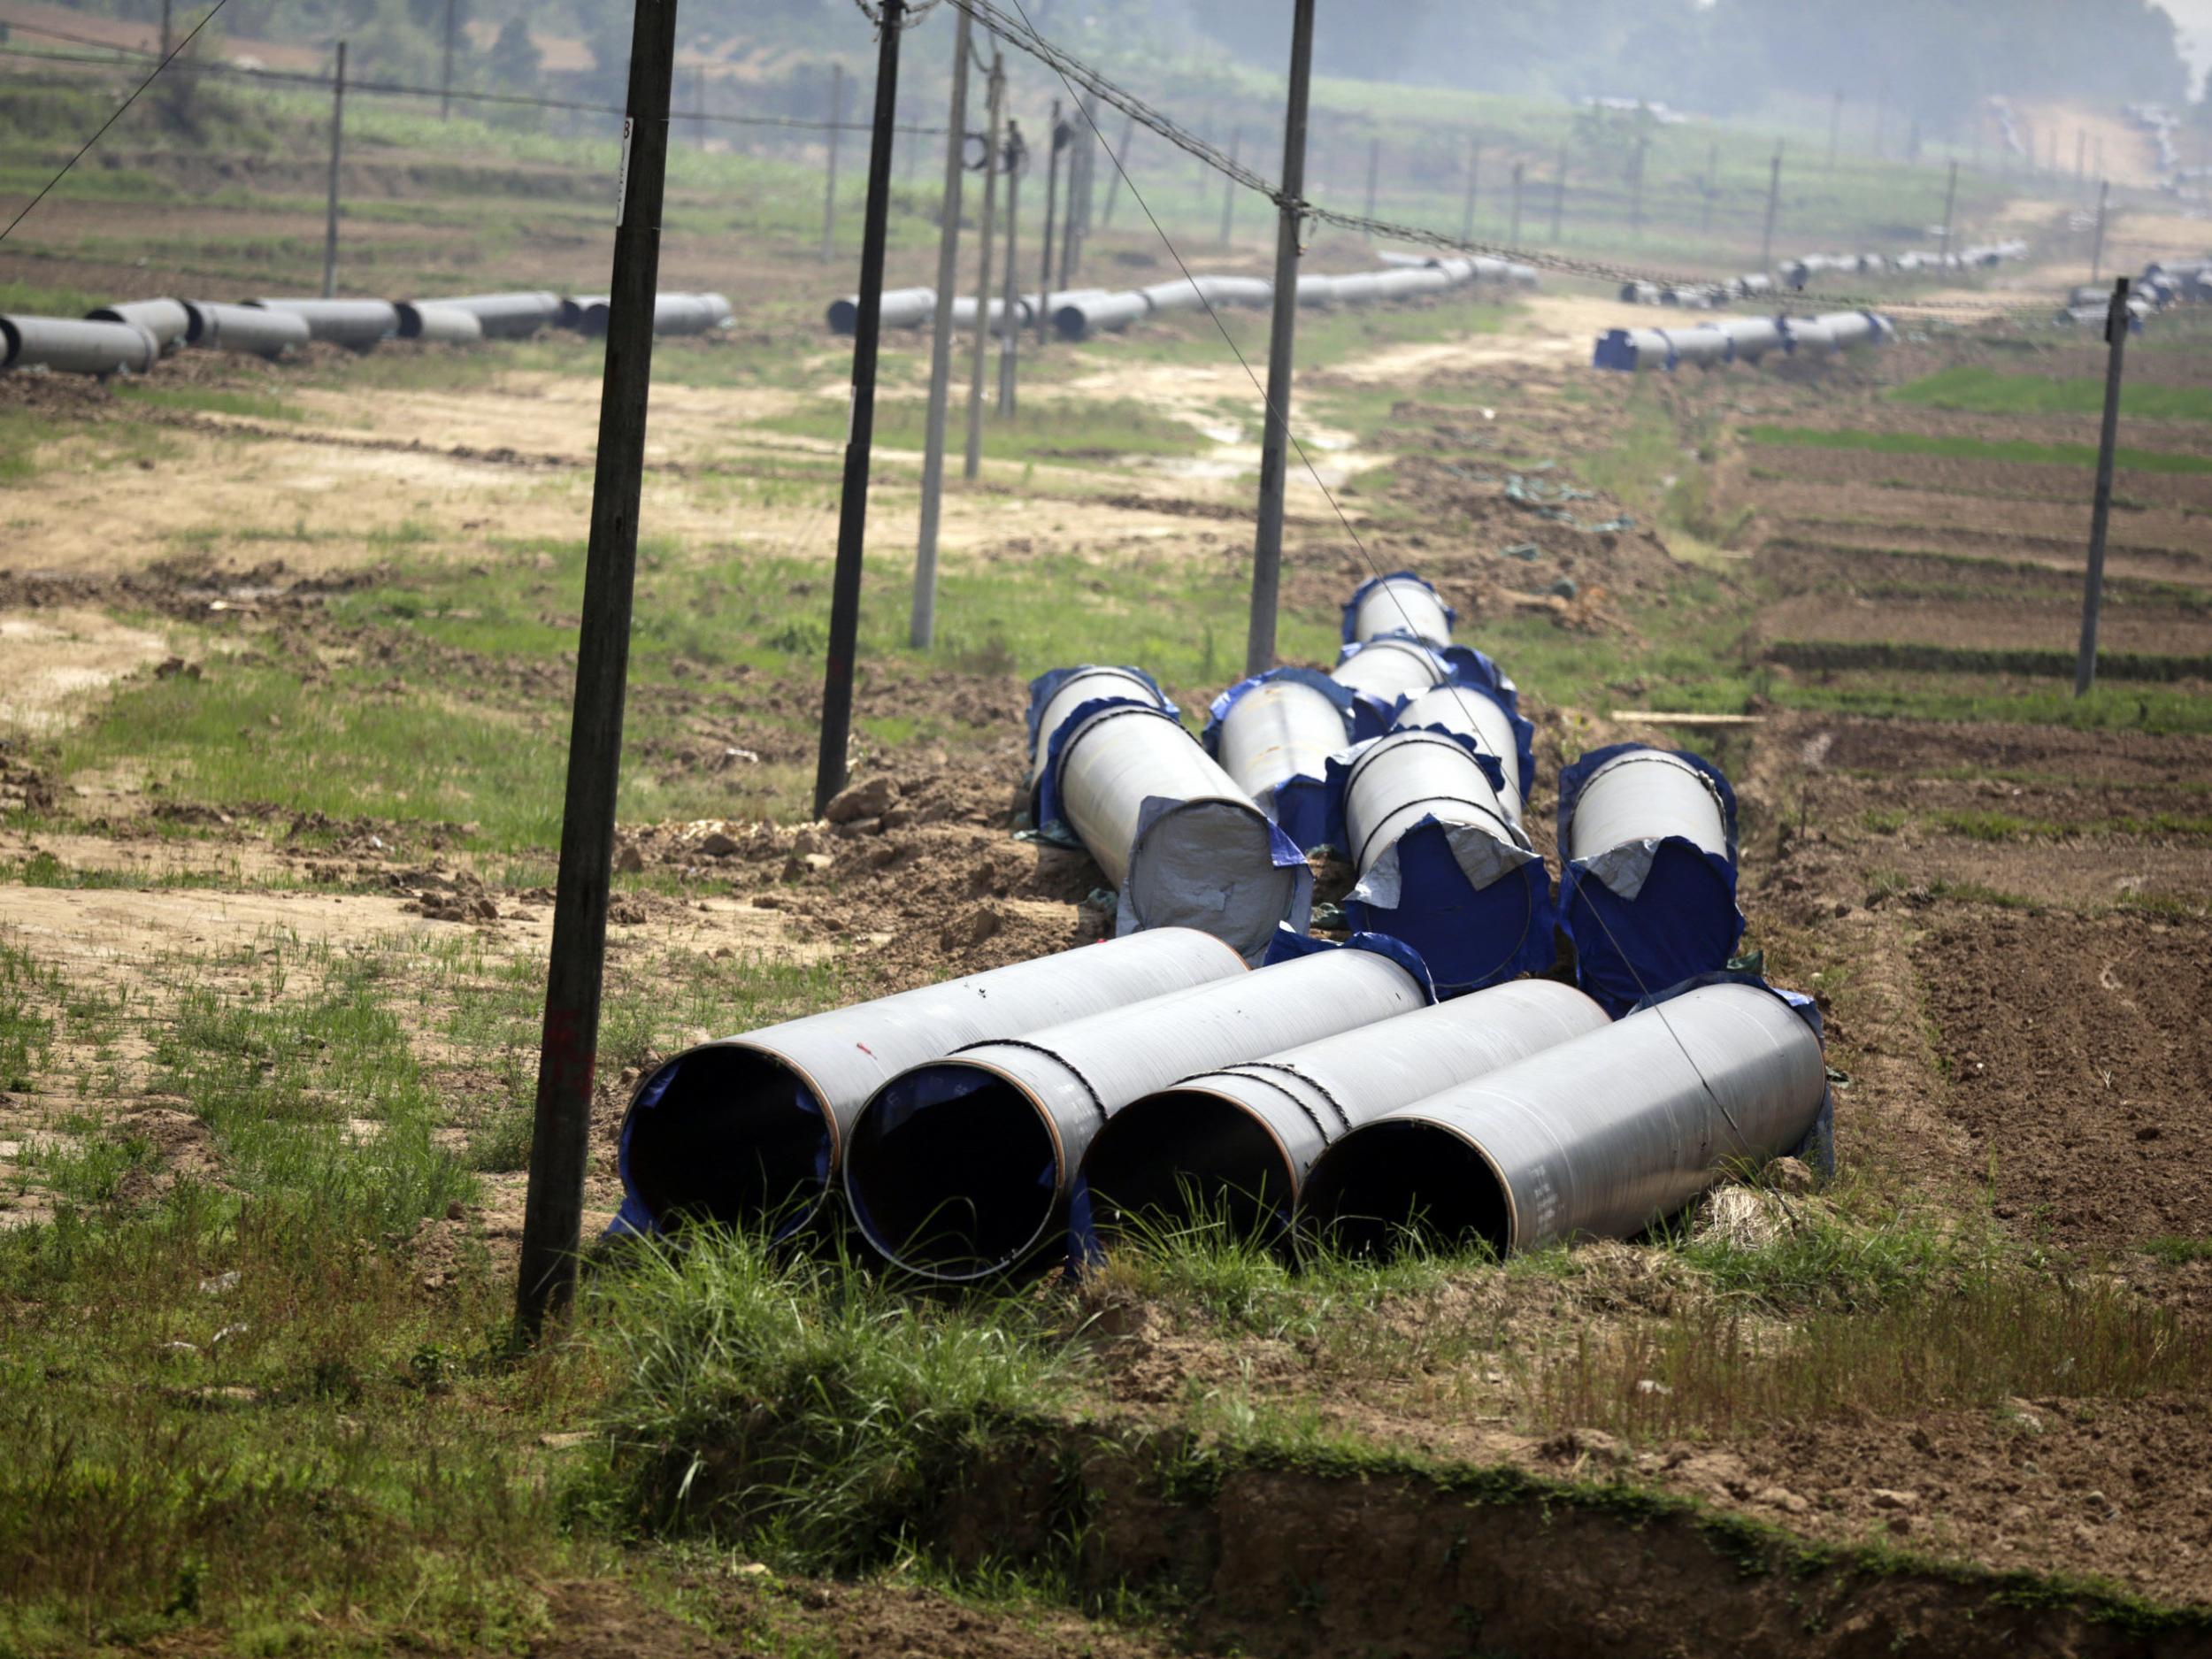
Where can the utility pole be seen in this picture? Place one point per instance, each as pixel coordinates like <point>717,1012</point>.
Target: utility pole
<point>852,510</point>
<point>1082,181</point>
<point>1774,204</point>
<point>2096,248</point>
<point>2116,333</point>
<point>699,104</point>
<point>829,191</point>
<point>1229,189</point>
<point>2081,160</point>
<point>1011,328</point>
<point>1374,171</point>
<point>1636,190</point>
<point>923,625</point>
<point>445,86</point>
<point>1513,236</point>
<point>1835,128</point>
<point>989,216</point>
<point>1950,202</point>
<point>1711,191</point>
<point>1559,199</point>
<point>1267,544</point>
<point>337,150</point>
<point>1474,179</point>
<point>167,31</point>
<point>1121,160</point>
<point>1052,188</point>
<point>560,1141</point>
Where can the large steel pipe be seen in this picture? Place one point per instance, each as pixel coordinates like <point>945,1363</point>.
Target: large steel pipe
<point>245,329</point>
<point>1441,863</point>
<point>1316,290</point>
<point>1236,1143</point>
<point>1597,1137</point>
<point>1179,842</point>
<point>1852,328</point>
<point>505,316</point>
<point>166,321</point>
<point>1273,735</point>
<point>575,307</point>
<point>903,308</point>
<point>1053,698</point>
<point>357,325</point>
<point>1400,603</point>
<point>960,1168</point>
<point>68,345</point>
<point>750,1130</point>
<point>1360,288</point>
<point>1703,345</point>
<point>1751,338</point>
<point>1494,728</point>
<point>440,325</point>
<point>1237,290</point>
<point>1806,333</point>
<point>1648,894</point>
<point>1079,319</point>
<point>1629,349</point>
<point>1382,672</point>
<point>672,314</point>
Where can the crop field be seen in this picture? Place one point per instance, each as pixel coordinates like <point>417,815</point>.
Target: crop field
<point>286,661</point>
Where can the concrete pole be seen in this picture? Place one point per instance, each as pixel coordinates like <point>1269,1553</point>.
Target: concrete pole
<point>1559,200</point>
<point>1113,184</point>
<point>1374,171</point>
<point>980,362</point>
<point>337,150</point>
<point>1711,191</point>
<point>1774,205</point>
<point>1636,190</point>
<point>1229,189</point>
<point>1513,236</point>
<point>1835,128</point>
<point>445,85</point>
<point>1052,191</point>
<point>2096,248</point>
<point>829,189</point>
<point>923,623</point>
<point>1474,181</point>
<point>2116,333</point>
<point>1267,546</point>
<point>1010,329</point>
<point>1950,203</point>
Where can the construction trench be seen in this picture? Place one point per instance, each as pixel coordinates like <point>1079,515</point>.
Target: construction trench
<point>1473,1052</point>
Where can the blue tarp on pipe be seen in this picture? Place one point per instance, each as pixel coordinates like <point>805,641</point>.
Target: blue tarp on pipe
<point>1352,606</point>
<point>1299,805</point>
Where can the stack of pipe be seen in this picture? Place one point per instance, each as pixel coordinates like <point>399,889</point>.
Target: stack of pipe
<point>672,314</point>
<point>1599,1136</point>
<point>515,316</point>
<point>1236,1143</point>
<point>1179,841</point>
<point>166,321</point>
<point>1648,888</point>
<point>437,324</point>
<point>357,325</point>
<point>73,346</point>
<point>248,330</point>
<point>1738,340</point>
<point>961,1168</point>
<point>751,1130</point>
<point>1274,735</point>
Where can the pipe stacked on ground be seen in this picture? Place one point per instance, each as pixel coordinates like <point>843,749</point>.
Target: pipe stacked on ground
<point>1599,1137</point>
<point>1490,721</point>
<point>672,314</point>
<point>515,316</point>
<point>1235,1144</point>
<point>357,325</point>
<point>1739,339</point>
<point>436,324</point>
<point>1054,697</point>
<point>1383,672</point>
<point>903,308</point>
<point>166,321</point>
<point>961,1168</point>
<point>1400,603</point>
<point>1274,735</point>
<point>750,1130</point>
<point>248,330</point>
<point>69,345</point>
<point>1441,863</point>
<point>1648,889</point>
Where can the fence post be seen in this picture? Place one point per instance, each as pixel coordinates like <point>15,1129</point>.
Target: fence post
<point>980,362</point>
<point>922,624</point>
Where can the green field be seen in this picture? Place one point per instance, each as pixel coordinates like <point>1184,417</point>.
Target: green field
<point>1974,449</point>
<point>1985,391</point>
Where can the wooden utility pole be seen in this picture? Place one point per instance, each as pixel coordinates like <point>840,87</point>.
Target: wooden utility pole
<point>1267,545</point>
<point>1950,203</point>
<point>1474,179</point>
<point>445,85</point>
<point>830,767</point>
<point>560,1141</point>
<point>2116,333</point>
<point>923,622</point>
<point>829,191</point>
<point>1229,187</point>
<point>1052,190</point>
<point>980,363</point>
<point>1774,205</point>
<point>1010,327</point>
<point>337,151</point>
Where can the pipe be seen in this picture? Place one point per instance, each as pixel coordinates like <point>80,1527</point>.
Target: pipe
<point>246,329</point>
<point>1110,313</point>
<point>1238,1142</point>
<point>963,311</point>
<point>1647,896</point>
<point>903,308</point>
<point>1273,735</point>
<point>1237,290</point>
<point>1597,1137</point>
<point>1179,842</point>
<point>961,1168</point>
<point>1806,333</point>
<point>672,314</point>
<point>357,325</point>
<point>1629,349</point>
<point>1400,603</point>
<point>166,321</point>
<point>751,1130</point>
<point>69,345</point>
<point>1054,697</point>
<point>1441,863</point>
<point>1849,328</point>
<point>515,316</point>
<point>1316,290</point>
<point>574,308</point>
<point>1494,728</point>
<point>437,324</point>
<point>1358,289</point>
<point>1382,672</point>
<point>1750,338</point>
<point>1181,294</point>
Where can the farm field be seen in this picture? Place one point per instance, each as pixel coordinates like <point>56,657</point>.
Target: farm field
<point>283,724</point>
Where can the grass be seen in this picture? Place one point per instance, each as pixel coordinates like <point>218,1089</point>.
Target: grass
<point>1988,391</point>
<point>24,1034</point>
<point>211,400</point>
<point>1049,431</point>
<point>1990,697</point>
<point>2082,455</point>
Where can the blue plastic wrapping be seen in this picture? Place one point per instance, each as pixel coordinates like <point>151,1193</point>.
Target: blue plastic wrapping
<point>1290,943</point>
<point>1464,665</point>
<point>1302,805</point>
<point>1041,690</point>
<point>1652,913</point>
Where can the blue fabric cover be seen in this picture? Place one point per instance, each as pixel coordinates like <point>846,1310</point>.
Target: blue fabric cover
<point>1683,921</point>
<point>1045,810</point>
<point>1300,804</point>
<point>1351,605</point>
<point>1041,690</point>
<point>1289,944</point>
<point>1463,664</point>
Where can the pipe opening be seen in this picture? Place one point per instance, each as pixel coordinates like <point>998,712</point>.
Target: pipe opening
<point>1405,1185</point>
<point>953,1171</point>
<point>734,1137</point>
<point>1184,1160</point>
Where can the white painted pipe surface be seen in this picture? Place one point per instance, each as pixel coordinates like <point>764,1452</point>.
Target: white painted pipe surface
<point>357,325</point>
<point>1464,710</point>
<point>166,321</point>
<point>1402,603</point>
<point>70,345</point>
<point>903,308</point>
<point>245,329</point>
<point>440,325</point>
